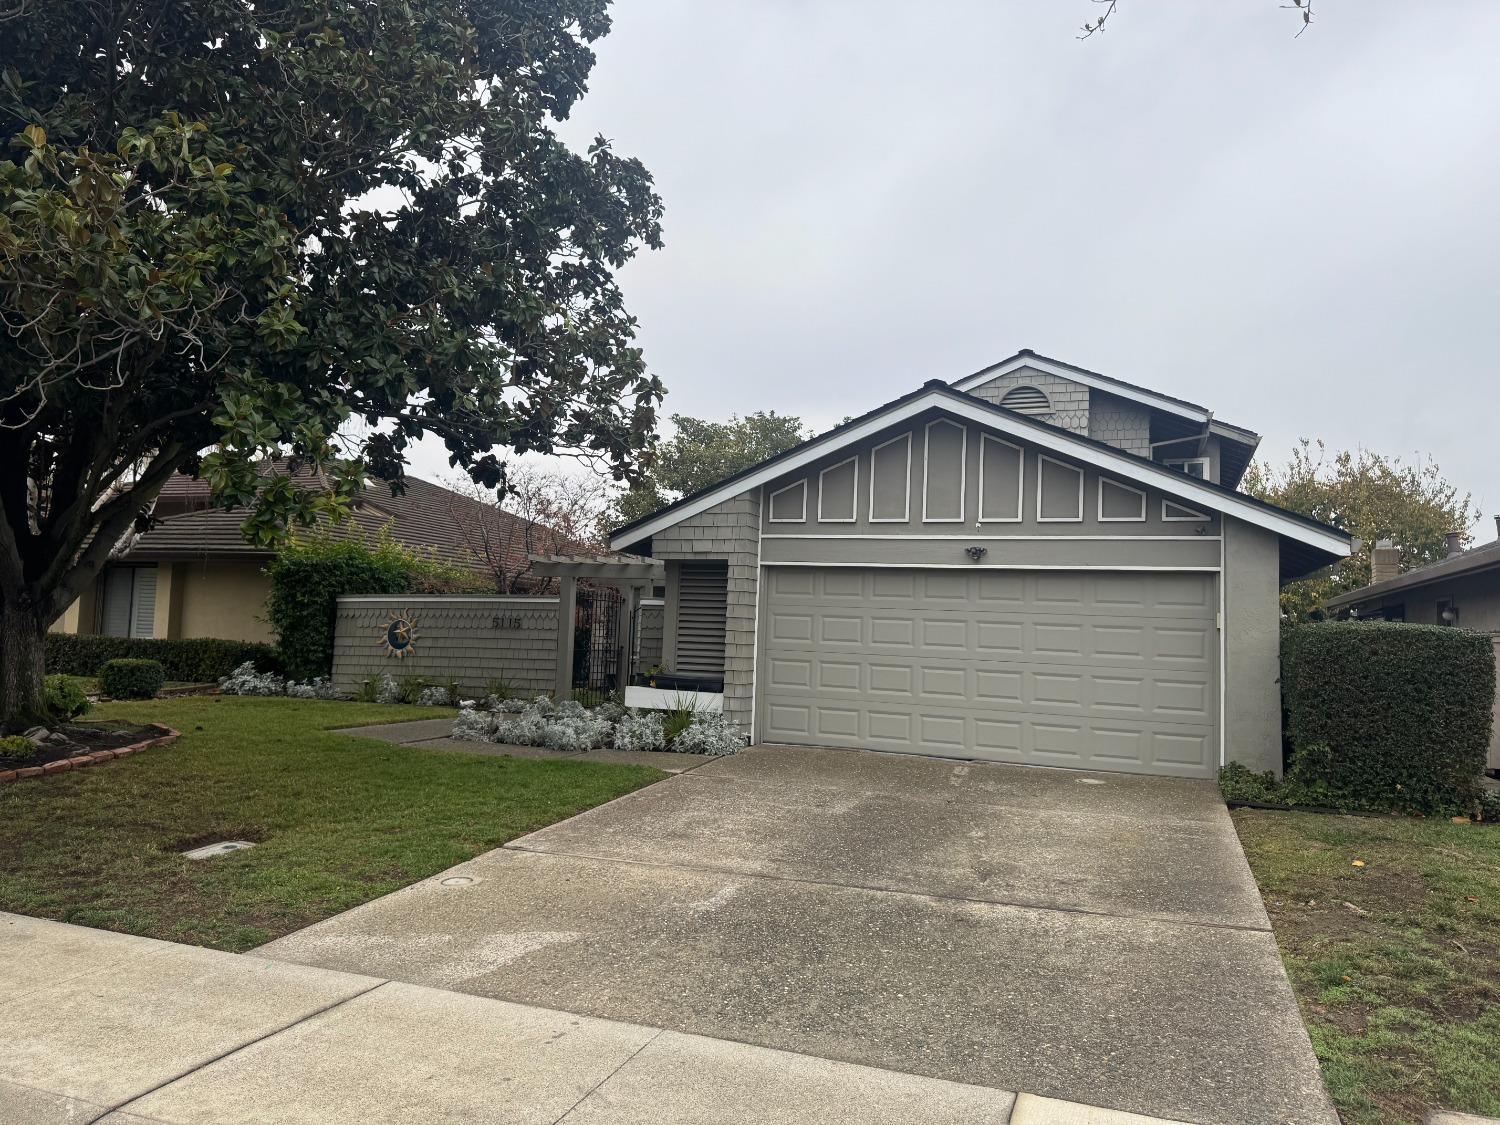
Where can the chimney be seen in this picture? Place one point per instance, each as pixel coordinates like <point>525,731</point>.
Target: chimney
<point>1497,527</point>
<point>1385,561</point>
<point>1455,543</point>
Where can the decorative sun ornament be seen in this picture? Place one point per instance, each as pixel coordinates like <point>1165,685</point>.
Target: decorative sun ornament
<point>398,636</point>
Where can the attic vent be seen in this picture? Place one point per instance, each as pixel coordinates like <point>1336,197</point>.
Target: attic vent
<point>1026,400</point>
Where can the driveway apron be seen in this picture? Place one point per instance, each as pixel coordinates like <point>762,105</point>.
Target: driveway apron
<point>1091,937</point>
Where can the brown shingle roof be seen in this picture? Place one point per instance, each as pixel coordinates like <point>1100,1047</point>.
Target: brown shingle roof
<point>426,516</point>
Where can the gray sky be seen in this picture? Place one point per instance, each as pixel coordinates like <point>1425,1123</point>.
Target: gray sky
<point>1301,234</point>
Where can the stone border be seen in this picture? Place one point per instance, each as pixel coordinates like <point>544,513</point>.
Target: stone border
<point>65,765</point>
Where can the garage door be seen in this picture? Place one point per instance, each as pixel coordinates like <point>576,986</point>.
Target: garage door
<point>1095,670</point>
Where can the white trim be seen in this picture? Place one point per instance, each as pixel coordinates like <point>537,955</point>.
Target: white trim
<point>1071,468</point>
<point>1174,462</point>
<point>771,503</point>
<point>920,538</point>
<point>1168,480</point>
<point>1103,480</point>
<point>1020,483</point>
<point>963,470</point>
<point>755,626</point>
<point>853,496</point>
<point>1074,375</point>
<point>995,566</point>
<point>1196,517</point>
<point>906,483</point>
<point>663,699</point>
<point>1223,654</point>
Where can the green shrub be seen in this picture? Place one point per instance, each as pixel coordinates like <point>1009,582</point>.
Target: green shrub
<point>131,679</point>
<point>307,577</point>
<point>63,697</point>
<point>195,660</point>
<point>14,748</point>
<point>1388,715</point>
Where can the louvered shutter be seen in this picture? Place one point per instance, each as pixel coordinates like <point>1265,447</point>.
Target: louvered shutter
<point>143,605</point>
<point>115,620</point>
<point>702,602</point>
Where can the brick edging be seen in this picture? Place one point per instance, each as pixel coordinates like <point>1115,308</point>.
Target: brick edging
<point>64,765</point>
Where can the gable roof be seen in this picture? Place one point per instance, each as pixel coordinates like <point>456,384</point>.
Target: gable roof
<point>1324,542</point>
<point>426,516</point>
<point>1484,557</point>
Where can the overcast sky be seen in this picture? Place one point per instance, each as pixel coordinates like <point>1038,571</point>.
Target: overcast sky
<point>1300,234</point>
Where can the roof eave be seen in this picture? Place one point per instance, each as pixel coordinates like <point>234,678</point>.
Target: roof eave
<point>939,395</point>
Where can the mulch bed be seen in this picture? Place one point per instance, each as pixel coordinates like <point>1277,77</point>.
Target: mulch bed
<point>88,744</point>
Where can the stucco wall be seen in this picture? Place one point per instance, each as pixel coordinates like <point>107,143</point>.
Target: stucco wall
<point>1070,400</point>
<point>1252,643</point>
<point>729,531</point>
<point>473,640</point>
<point>221,598</point>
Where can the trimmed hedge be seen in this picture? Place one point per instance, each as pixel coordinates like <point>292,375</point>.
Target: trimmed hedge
<point>1388,715</point>
<point>308,575</point>
<point>197,660</point>
<point>131,679</point>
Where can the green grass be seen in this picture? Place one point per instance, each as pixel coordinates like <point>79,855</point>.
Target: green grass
<point>1396,963</point>
<point>338,820</point>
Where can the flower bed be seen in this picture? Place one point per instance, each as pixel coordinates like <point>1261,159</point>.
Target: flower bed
<point>570,726</point>
<point>158,735</point>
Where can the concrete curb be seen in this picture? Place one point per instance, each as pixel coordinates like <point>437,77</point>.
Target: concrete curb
<point>67,765</point>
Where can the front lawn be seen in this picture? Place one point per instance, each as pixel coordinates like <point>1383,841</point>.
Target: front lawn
<point>1390,929</point>
<point>337,820</point>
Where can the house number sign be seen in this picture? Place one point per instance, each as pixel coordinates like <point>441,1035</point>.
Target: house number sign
<point>502,621</point>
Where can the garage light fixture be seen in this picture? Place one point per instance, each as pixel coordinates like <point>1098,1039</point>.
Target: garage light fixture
<point>976,553</point>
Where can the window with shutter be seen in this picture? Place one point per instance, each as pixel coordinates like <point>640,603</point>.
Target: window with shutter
<point>702,606</point>
<point>129,608</point>
<point>143,604</point>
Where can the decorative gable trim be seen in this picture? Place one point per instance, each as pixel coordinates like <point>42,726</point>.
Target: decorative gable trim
<point>801,516</point>
<point>853,516</point>
<point>941,397</point>
<point>1141,518</point>
<point>1087,378</point>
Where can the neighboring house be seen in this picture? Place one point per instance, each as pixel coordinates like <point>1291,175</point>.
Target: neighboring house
<point>1462,591</point>
<point>1036,563</point>
<point>193,574</point>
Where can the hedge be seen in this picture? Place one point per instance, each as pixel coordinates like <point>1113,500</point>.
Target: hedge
<point>307,577</point>
<point>1388,715</point>
<point>197,660</point>
<point>131,679</point>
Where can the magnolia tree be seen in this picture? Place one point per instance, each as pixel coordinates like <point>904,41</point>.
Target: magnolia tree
<point>231,229</point>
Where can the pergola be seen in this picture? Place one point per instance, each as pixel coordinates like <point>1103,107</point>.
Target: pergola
<point>630,574</point>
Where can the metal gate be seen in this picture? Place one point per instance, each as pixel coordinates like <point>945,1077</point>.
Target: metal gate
<point>597,656</point>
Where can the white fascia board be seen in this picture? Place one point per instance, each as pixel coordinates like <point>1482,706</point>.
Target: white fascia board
<point>1146,398</point>
<point>1168,480</point>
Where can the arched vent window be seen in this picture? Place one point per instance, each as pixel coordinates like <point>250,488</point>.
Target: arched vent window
<point>1026,400</point>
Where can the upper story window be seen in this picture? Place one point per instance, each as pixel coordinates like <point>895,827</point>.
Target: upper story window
<point>1027,399</point>
<point>1192,466</point>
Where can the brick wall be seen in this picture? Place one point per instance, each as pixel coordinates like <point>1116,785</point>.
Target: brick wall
<point>1070,400</point>
<point>473,640</point>
<point>730,531</point>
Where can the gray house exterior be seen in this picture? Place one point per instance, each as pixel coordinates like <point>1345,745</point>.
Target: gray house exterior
<point>1036,564</point>
<point>1460,591</point>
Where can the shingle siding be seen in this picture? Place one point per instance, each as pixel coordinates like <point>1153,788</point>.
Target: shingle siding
<point>1123,424</point>
<point>729,531</point>
<point>1070,400</point>
<point>473,641</point>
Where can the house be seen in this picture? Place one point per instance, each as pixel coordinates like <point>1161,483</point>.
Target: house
<point>1460,591</point>
<point>1036,563</point>
<point>193,575</point>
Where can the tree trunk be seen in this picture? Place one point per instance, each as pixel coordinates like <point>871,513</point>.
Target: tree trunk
<point>23,646</point>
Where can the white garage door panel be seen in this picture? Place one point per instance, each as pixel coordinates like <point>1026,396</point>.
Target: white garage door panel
<point>1106,671</point>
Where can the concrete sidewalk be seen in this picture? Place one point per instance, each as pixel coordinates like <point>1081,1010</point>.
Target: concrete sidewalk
<point>103,1027</point>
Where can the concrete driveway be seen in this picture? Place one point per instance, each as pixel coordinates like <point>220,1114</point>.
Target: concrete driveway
<point>1091,937</point>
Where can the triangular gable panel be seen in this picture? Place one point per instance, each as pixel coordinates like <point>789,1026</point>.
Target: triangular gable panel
<point>1189,493</point>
